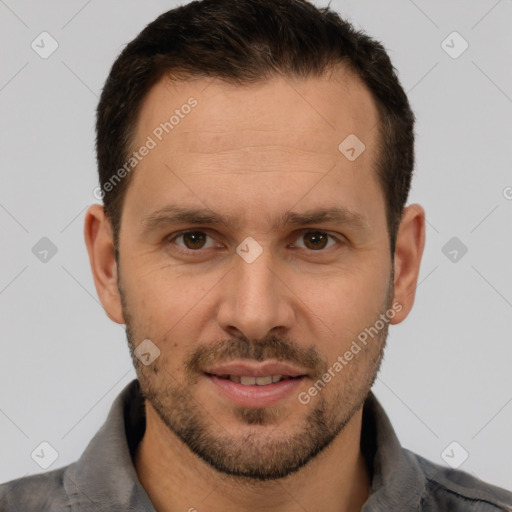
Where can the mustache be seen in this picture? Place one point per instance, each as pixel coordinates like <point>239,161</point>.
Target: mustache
<point>270,347</point>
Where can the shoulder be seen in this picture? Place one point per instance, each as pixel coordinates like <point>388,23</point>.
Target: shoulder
<point>36,493</point>
<point>456,490</point>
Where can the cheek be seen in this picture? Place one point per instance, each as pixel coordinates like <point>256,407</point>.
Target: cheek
<point>162,288</point>
<point>165,302</point>
<point>347,298</point>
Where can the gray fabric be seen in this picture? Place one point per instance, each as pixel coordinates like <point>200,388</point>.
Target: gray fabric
<point>104,478</point>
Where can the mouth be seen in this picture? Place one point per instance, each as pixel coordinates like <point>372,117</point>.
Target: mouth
<point>256,385</point>
<point>248,380</point>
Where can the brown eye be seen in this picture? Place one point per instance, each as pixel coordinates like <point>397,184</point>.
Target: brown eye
<point>192,240</point>
<point>315,240</point>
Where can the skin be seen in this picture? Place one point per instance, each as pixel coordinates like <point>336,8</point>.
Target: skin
<point>250,154</point>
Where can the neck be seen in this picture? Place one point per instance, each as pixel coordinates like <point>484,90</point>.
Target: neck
<point>176,479</point>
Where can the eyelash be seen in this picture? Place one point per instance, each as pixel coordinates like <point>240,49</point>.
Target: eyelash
<point>198,251</point>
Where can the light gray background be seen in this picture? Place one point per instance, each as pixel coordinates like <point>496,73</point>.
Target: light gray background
<point>446,375</point>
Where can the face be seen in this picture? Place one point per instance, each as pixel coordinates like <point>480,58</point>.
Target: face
<point>248,237</point>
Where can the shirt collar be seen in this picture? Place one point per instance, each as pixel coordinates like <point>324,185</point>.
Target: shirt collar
<point>105,474</point>
<point>398,482</point>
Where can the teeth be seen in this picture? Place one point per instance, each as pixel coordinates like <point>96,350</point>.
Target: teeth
<point>260,381</point>
<point>263,381</point>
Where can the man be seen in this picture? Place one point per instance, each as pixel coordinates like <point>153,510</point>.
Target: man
<point>255,158</point>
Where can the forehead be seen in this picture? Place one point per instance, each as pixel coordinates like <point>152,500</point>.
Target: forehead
<point>315,114</point>
<point>211,139</point>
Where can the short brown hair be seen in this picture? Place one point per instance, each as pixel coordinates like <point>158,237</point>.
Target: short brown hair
<point>242,42</point>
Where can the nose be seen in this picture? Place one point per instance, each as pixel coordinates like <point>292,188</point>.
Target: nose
<point>256,298</point>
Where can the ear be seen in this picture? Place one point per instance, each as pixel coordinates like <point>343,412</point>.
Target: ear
<point>100,246</point>
<point>410,242</point>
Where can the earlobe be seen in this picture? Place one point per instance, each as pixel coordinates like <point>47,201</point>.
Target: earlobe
<point>100,246</point>
<point>410,242</point>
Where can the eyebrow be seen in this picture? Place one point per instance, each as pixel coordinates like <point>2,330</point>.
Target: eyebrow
<point>172,214</point>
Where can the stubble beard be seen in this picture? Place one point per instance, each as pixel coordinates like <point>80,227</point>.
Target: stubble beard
<point>260,453</point>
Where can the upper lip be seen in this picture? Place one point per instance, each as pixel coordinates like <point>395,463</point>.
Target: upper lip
<point>256,369</point>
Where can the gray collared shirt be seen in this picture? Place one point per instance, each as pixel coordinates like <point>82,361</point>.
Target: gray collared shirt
<point>104,478</point>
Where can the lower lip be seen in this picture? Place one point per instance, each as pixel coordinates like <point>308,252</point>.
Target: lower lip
<point>257,396</point>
